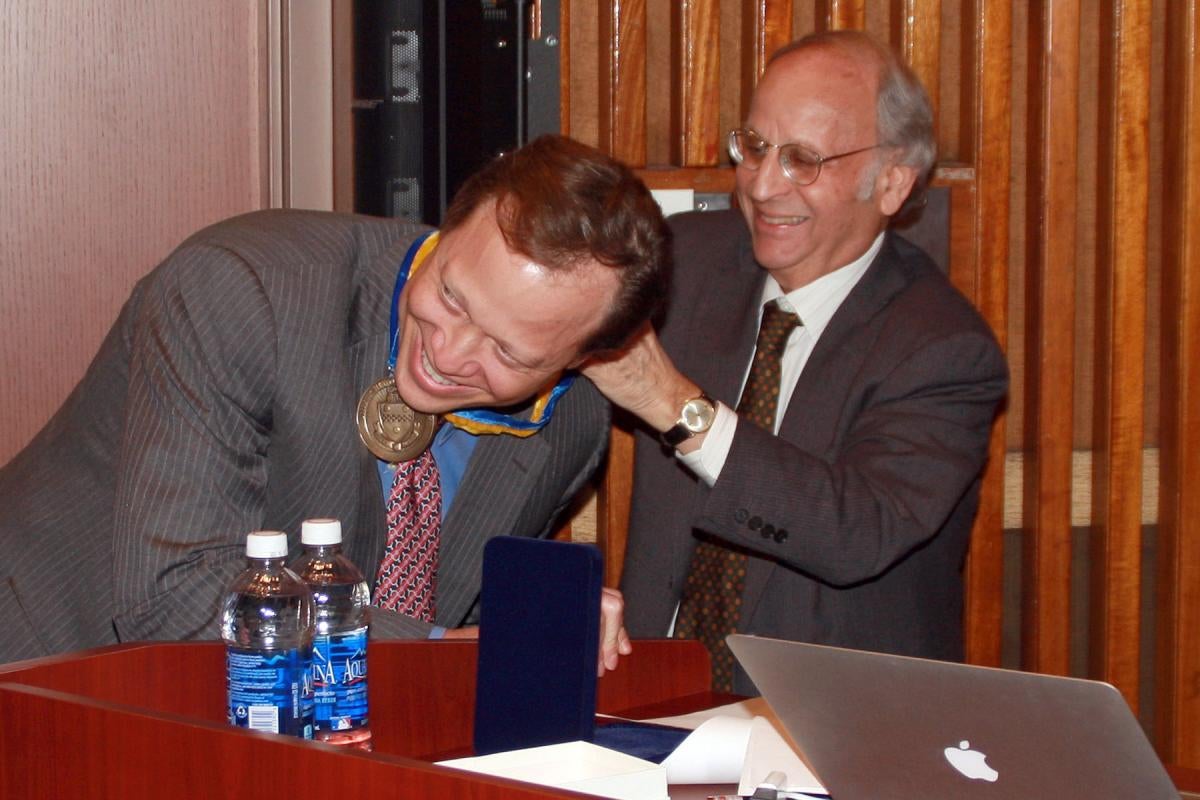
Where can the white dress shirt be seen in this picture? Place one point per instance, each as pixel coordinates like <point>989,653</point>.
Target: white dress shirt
<point>815,304</point>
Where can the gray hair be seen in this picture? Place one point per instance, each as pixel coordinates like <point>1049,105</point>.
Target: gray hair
<point>903,114</point>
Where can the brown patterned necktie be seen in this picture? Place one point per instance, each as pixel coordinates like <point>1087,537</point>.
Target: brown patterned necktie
<point>408,572</point>
<point>712,594</point>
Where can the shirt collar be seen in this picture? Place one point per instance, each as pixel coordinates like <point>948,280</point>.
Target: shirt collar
<point>817,302</point>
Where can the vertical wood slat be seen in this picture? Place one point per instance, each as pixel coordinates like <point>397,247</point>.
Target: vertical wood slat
<point>697,69</point>
<point>613,503</point>
<point>1049,334</point>
<point>1123,202</point>
<point>767,26</point>
<point>1177,701</point>
<point>622,135</point>
<point>564,67</point>
<point>843,14</point>
<point>991,127</point>
<point>623,80</point>
<point>920,41</point>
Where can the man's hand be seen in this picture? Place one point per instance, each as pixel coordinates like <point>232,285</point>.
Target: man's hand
<point>614,641</point>
<point>642,380</point>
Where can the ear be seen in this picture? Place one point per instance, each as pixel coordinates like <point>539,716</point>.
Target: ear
<point>892,187</point>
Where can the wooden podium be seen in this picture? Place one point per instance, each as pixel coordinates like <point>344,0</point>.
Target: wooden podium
<point>148,720</point>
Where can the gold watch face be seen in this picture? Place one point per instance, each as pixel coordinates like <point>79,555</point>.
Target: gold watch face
<point>698,414</point>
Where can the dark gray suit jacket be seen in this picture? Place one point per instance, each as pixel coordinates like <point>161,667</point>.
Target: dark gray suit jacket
<point>857,515</point>
<point>222,402</point>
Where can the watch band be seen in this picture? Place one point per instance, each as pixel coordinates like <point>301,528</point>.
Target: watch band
<point>676,435</point>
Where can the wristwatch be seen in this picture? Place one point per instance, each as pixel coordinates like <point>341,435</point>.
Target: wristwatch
<point>695,417</point>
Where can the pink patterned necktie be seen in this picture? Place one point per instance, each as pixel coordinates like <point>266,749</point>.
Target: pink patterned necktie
<point>408,572</point>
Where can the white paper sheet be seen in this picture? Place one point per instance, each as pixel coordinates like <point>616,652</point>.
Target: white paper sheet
<point>737,743</point>
<point>578,766</point>
<point>713,753</point>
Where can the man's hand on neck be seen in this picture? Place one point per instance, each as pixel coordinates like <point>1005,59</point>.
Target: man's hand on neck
<point>643,380</point>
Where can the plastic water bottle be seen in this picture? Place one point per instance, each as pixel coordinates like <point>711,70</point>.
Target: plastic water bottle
<point>339,669</point>
<point>267,622</point>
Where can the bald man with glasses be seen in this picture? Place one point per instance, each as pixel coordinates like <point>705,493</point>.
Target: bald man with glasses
<point>816,406</point>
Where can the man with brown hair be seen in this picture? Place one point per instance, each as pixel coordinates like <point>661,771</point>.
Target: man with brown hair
<point>284,365</point>
<point>823,393</point>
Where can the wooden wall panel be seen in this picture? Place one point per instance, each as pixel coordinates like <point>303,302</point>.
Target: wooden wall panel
<point>124,127</point>
<point>735,69</point>
<point>622,133</point>
<point>698,139</point>
<point>622,110</point>
<point>1054,252</point>
<point>1120,343</point>
<point>581,82</point>
<point>919,24</point>
<point>842,14</point>
<point>990,126</point>
<point>663,134</point>
<point>957,41</point>
<point>768,26</point>
<point>1049,334</point>
<point>1086,235</point>
<point>1177,701</point>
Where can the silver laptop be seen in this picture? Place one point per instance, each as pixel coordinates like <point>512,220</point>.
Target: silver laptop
<point>882,727</point>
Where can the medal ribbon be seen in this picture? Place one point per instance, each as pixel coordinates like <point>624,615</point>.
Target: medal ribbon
<point>474,420</point>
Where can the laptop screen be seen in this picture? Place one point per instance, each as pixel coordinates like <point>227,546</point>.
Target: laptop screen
<point>874,725</point>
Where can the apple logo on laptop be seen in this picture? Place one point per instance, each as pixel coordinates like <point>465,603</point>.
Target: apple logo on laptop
<point>971,763</point>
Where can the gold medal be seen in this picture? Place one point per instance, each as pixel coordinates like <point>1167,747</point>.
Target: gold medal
<point>390,429</point>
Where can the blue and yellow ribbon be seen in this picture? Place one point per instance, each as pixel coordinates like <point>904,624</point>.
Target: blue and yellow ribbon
<point>476,420</point>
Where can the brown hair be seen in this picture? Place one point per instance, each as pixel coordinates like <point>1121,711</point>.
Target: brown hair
<point>561,203</point>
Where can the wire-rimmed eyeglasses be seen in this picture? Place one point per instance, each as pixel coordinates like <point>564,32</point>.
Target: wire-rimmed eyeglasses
<point>801,165</point>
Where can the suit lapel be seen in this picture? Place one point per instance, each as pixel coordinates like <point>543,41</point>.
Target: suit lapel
<point>882,281</point>
<point>368,355</point>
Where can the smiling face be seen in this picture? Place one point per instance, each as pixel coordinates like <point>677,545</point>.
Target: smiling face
<point>484,326</point>
<point>822,98</point>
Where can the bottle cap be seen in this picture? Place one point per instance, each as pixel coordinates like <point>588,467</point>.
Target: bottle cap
<point>266,544</point>
<point>321,532</point>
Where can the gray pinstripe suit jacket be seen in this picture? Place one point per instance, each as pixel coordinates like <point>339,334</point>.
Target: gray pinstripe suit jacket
<point>857,515</point>
<point>222,401</point>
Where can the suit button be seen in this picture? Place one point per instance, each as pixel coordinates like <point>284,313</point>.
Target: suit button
<point>768,531</point>
<point>741,515</point>
<point>755,523</point>
<point>781,535</point>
